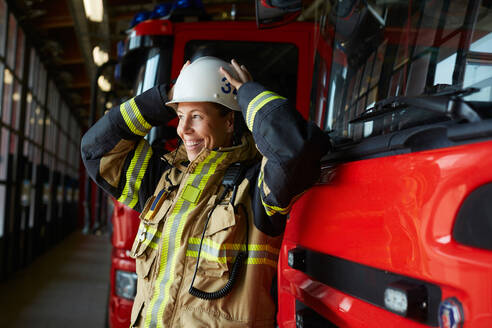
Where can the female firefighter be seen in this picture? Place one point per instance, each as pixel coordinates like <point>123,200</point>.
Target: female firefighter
<point>212,211</point>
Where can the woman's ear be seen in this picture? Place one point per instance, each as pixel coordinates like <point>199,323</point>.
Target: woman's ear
<point>230,122</point>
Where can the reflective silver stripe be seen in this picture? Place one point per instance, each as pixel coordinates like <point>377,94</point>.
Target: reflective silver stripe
<point>152,236</point>
<point>133,118</point>
<point>252,105</point>
<point>221,255</point>
<point>131,113</point>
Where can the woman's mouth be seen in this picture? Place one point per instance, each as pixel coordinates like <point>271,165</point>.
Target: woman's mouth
<point>193,144</point>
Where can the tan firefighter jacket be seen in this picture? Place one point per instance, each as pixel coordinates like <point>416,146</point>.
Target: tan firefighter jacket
<point>176,198</point>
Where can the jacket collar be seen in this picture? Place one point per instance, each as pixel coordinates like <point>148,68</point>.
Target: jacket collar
<point>246,151</point>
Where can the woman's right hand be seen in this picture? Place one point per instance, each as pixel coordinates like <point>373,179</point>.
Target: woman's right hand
<point>241,71</point>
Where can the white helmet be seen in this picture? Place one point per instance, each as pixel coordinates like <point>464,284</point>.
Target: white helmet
<point>201,81</point>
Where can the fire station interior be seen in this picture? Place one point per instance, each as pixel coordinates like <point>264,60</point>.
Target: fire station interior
<point>57,66</point>
<point>61,65</point>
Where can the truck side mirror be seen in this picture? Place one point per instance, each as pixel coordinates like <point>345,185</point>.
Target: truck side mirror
<point>273,13</point>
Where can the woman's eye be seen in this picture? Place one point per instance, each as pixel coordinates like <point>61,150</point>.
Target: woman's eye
<point>196,116</point>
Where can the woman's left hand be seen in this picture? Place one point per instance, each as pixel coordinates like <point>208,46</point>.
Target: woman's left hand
<point>242,73</point>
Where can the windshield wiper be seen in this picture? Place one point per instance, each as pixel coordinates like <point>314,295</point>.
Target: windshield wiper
<point>449,104</point>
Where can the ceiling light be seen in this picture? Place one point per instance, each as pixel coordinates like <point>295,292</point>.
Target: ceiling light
<point>100,56</point>
<point>94,10</point>
<point>103,84</point>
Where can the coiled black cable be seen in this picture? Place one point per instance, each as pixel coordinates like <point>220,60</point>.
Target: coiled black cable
<point>238,262</point>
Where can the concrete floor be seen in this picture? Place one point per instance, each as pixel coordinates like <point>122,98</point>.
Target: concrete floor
<point>66,287</point>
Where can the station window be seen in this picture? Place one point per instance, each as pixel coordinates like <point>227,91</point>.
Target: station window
<point>37,78</point>
<point>3,206</point>
<point>55,130</point>
<point>478,72</point>
<point>8,85</point>
<point>13,143</point>
<point>19,57</point>
<point>29,111</point>
<point>30,125</point>
<point>48,161</point>
<point>16,106</point>
<point>53,101</point>
<point>36,155</point>
<point>64,119</point>
<point>4,152</point>
<point>41,85</point>
<point>3,25</point>
<point>33,69</point>
<point>26,149</point>
<point>48,134</point>
<point>38,122</point>
<point>2,85</point>
<point>62,147</point>
<point>11,41</point>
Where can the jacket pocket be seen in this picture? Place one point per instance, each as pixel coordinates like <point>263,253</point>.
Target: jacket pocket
<point>222,218</point>
<point>136,312</point>
<point>146,245</point>
<point>148,236</point>
<point>218,248</point>
<point>151,220</point>
<point>145,248</point>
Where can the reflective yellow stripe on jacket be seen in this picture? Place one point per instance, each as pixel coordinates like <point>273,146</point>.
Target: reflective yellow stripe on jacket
<point>173,229</point>
<point>135,173</point>
<point>257,103</point>
<point>271,209</point>
<point>257,253</point>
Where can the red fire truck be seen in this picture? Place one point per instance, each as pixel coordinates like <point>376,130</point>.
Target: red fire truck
<point>397,230</point>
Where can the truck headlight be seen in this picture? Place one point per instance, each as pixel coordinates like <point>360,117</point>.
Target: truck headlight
<point>126,284</point>
<point>406,299</point>
<point>396,300</point>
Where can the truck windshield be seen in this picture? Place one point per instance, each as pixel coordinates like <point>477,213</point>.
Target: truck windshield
<point>388,49</point>
<point>152,70</point>
<point>152,67</point>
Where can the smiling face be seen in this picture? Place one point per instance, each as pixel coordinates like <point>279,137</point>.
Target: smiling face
<point>201,125</point>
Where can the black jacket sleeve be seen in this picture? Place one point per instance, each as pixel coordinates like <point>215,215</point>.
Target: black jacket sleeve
<point>117,156</point>
<point>291,147</point>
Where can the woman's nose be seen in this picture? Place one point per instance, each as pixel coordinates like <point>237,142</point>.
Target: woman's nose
<point>184,125</point>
